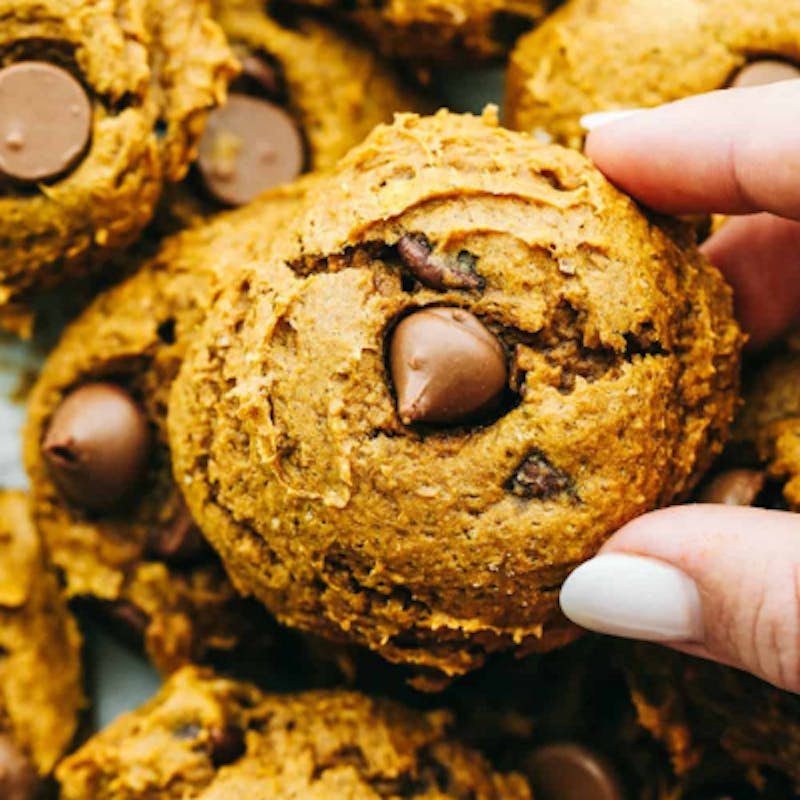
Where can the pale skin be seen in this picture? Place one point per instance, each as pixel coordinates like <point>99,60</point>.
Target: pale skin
<point>735,152</point>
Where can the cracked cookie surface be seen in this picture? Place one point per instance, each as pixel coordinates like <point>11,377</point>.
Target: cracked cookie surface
<point>204,737</point>
<point>604,55</point>
<point>137,552</point>
<point>148,72</point>
<point>41,689</point>
<point>436,543</point>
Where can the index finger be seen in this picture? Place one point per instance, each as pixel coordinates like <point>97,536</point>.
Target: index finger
<point>735,151</point>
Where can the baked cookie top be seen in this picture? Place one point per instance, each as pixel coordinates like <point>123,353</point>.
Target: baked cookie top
<point>206,737</point>
<point>127,86</point>
<point>604,55</point>
<point>307,93</point>
<point>434,31</point>
<point>41,691</point>
<point>470,360</point>
<point>96,442</point>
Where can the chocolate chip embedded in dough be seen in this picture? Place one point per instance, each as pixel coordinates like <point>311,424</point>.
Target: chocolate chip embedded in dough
<point>446,366</point>
<point>97,446</point>
<point>249,145</point>
<point>18,777</point>
<point>227,745</point>
<point>537,479</point>
<point>764,71</point>
<point>45,121</point>
<point>569,771</point>
<point>436,271</point>
<point>734,487</point>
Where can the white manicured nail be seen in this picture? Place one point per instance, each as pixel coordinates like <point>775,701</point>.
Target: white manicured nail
<point>591,121</point>
<point>634,597</point>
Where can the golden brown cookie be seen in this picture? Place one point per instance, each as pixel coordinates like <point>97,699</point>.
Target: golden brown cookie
<point>205,737</point>
<point>604,55</point>
<point>435,31</point>
<point>123,89</point>
<point>470,361</point>
<point>308,92</point>
<point>96,449</point>
<point>41,691</point>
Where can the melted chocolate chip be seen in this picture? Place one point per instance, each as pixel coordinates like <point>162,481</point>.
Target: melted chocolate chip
<point>446,366</point>
<point>537,479</point>
<point>18,777</point>
<point>97,446</point>
<point>45,121</point>
<point>437,271</point>
<point>227,745</point>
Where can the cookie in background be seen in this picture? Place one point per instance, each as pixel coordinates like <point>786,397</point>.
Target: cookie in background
<point>307,93</point>
<point>101,105</point>
<point>41,685</point>
<point>440,31</point>
<point>210,738</point>
<point>608,55</point>
<point>97,456</point>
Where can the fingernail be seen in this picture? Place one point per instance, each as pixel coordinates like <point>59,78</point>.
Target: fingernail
<point>598,118</point>
<point>634,597</point>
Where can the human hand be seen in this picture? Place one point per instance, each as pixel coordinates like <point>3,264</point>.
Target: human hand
<point>719,582</point>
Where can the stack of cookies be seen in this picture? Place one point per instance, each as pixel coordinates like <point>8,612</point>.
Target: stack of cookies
<point>354,387</point>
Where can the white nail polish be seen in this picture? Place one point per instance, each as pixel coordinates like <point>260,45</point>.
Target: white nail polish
<point>634,597</point>
<point>598,118</point>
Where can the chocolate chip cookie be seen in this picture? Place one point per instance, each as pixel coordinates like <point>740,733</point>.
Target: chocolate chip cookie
<point>470,361</point>
<point>434,31</point>
<point>603,55</point>
<point>96,450</point>
<point>101,103</point>
<point>308,92</point>
<point>41,691</point>
<point>205,737</point>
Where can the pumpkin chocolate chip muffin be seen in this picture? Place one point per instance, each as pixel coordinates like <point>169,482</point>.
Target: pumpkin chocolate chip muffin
<point>434,31</point>
<point>205,737</point>
<point>41,691</point>
<point>101,103</point>
<point>604,55</point>
<point>96,450</point>
<point>470,360</point>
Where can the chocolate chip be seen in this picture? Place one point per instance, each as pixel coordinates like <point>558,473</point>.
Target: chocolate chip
<point>764,71</point>
<point>734,487</point>
<point>249,145</point>
<point>227,745</point>
<point>446,366</point>
<point>97,446</point>
<point>18,777</point>
<point>436,271</point>
<point>45,121</point>
<point>567,771</point>
<point>179,540</point>
<point>536,478</point>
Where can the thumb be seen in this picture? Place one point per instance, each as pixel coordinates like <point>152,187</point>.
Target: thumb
<point>713,581</point>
